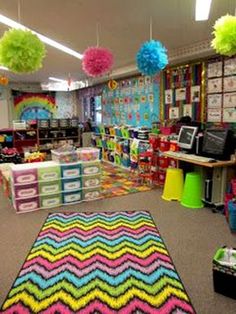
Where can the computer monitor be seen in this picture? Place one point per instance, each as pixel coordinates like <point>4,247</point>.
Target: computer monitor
<point>187,136</point>
<point>218,143</point>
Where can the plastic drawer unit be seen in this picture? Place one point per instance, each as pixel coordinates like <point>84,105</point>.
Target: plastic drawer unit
<point>26,204</point>
<point>90,168</point>
<point>23,174</point>
<point>71,171</point>
<point>91,181</point>
<point>48,171</point>
<point>53,200</point>
<point>51,187</point>
<point>25,190</point>
<point>71,197</point>
<point>91,194</point>
<point>71,184</point>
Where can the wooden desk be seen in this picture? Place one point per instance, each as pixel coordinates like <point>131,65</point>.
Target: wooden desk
<point>218,177</point>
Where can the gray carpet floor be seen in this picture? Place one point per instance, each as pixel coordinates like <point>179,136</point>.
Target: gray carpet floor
<point>191,236</point>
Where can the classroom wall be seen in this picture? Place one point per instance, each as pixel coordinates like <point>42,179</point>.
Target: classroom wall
<point>4,108</point>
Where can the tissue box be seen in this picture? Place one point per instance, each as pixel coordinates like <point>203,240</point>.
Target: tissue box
<point>224,272</point>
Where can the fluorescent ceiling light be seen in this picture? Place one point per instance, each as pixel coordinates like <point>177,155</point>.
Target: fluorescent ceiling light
<point>202,10</point>
<point>56,79</point>
<point>5,20</point>
<point>3,68</point>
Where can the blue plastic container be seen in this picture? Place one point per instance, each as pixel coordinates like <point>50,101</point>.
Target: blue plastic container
<point>232,215</point>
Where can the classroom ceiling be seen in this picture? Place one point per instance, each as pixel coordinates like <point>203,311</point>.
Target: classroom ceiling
<point>124,26</point>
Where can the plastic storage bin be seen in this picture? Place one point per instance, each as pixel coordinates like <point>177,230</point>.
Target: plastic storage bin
<point>91,168</point>
<point>43,123</point>
<point>88,154</point>
<point>224,272</point>
<point>71,171</point>
<point>53,200</point>
<point>26,204</point>
<point>71,184</point>
<point>23,174</point>
<point>71,197</point>
<point>64,157</point>
<point>91,194</point>
<point>47,188</point>
<point>91,181</point>
<point>48,171</point>
<point>26,190</point>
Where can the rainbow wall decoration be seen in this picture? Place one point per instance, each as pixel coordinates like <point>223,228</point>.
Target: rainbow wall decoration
<point>31,106</point>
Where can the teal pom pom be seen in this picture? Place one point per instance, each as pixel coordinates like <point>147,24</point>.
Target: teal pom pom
<point>21,51</point>
<point>151,57</point>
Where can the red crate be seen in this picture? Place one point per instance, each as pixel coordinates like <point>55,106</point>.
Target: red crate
<point>161,177</point>
<point>174,147</point>
<point>164,146</point>
<point>173,163</point>
<point>163,162</point>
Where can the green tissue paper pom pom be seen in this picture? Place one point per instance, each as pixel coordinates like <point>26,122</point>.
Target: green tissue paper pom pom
<point>225,35</point>
<point>21,51</point>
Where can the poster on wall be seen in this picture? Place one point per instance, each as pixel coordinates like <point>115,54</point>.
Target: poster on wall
<point>229,114</point>
<point>230,66</point>
<point>214,101</point>
<point>168,97</point>
<point>214,69</point>
<point>195,94</point>
<point>214,115</point>
<point>214,85</point>
<point>137,104</point>
<point>174,113</point>
<point>188,110</point>
<point>180,94</point>
<point>229,100</point>
<point>34,106</point>
<point>230,83</point>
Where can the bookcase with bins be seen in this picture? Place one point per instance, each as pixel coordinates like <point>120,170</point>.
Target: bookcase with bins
<point>115,144</point>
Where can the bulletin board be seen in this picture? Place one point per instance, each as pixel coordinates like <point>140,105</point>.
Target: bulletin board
<point>182,92</point>
<point>221,90</point>
<point>134,102</point>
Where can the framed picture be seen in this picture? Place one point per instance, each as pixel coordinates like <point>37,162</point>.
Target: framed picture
<point>187,110</point>
<point>229,100</point>
<point>174,113</point>
<point>195,93</point>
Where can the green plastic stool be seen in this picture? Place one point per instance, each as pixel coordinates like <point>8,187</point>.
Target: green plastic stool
<point>174,183</point>
<point>192,191</point>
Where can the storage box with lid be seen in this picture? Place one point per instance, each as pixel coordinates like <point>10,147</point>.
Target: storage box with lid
<point>64,157</point>
<point>88,153</point>
<point>72,170</point>
<point>24,205</point>
<point>71,184</point>
<point>90,168</point>
<point>91,193</point>
<point>48,171</point>
<point>52,200</point>
<point>91,181</point>
<point>51,187</point>
<point>71,197</point>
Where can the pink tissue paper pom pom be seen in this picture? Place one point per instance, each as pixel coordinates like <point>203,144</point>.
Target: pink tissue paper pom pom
<point>97,61</point>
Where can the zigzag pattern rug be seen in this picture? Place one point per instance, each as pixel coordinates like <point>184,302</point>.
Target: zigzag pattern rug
<point>101,263</point>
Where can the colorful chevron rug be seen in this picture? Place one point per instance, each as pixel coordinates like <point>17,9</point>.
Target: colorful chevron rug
<point>98,263</point>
